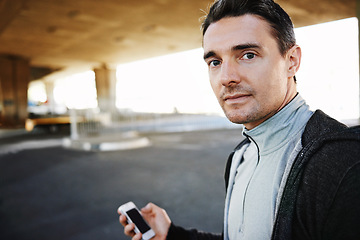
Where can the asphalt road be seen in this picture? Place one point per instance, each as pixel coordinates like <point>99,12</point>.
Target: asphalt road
<point>50,192</point>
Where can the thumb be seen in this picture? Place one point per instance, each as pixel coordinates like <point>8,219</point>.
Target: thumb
<point>148,208</point>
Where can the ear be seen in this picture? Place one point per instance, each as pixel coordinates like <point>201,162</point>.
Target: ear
<point>294,57</point>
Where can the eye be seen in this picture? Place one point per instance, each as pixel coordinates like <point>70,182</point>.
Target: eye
<point>248,56</point>
<point>214,63</point>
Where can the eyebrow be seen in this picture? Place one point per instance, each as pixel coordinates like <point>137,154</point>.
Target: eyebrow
<point>245,46</point>
<point>233,49</point>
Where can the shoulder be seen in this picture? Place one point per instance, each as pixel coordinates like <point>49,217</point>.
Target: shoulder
<point>321,125</point>
<point>330,170</point>
<point>330,149</point>
<point>332,161</point>
<point>330,146</point>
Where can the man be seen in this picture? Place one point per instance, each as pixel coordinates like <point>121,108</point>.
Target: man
<point>297,175</point>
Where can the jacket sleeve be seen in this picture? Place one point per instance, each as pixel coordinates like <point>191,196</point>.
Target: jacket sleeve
<point>343,221</point>
<point>179,233</point>
<point>328,199</point>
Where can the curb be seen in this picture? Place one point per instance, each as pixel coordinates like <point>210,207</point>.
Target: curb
<point>123,144</point>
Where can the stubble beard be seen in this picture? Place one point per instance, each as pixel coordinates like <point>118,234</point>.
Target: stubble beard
<point>236,114</point>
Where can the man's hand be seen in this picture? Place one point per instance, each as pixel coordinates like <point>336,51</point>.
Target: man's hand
<point>157,218</point>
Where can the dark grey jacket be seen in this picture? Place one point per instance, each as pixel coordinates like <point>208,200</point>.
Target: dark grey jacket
<point>321,199</point>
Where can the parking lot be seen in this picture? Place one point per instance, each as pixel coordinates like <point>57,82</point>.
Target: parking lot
<point>50,192</point>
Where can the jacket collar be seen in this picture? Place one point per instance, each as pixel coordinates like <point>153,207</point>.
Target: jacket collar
<point>318,125</point>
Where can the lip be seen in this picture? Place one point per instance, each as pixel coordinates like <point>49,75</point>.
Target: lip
<point>236,97</point>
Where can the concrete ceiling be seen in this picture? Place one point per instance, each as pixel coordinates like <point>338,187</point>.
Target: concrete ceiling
<point>64,36</point>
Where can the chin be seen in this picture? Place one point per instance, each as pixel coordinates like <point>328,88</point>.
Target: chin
<point>235,118</point>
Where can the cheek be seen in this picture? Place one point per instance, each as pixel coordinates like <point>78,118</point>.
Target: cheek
<point>215,86</point>
<point>273,79</point>
<point>270,88</point>
<point>279,84</point>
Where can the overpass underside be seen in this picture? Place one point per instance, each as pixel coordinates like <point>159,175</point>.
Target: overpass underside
<point>46,40</point>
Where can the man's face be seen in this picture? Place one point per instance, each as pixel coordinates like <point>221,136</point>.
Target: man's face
<point>248,75</point>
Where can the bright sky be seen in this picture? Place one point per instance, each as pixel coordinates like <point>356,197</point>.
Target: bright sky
<point>328,78</point>
<point>164,83</point>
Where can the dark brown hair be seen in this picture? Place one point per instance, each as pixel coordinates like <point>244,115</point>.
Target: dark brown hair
<point>279,20</point>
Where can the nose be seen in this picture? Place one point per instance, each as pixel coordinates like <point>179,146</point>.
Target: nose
<point>229,74</point>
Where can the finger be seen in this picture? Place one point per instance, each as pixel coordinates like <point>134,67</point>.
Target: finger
<point>123,220</point>
<point>137,236</point>
<point>129,229</point>
<point>118,211</point>
<point>148,208</point>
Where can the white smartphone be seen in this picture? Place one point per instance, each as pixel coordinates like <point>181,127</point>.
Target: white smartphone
<point>133,215</point>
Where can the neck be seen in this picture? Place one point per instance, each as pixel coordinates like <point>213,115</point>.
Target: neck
<point>290,95</point>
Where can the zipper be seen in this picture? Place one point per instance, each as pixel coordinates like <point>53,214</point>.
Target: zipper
<point>241,228</point>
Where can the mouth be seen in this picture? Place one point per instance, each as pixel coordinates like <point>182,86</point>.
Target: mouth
<point>238,97</point>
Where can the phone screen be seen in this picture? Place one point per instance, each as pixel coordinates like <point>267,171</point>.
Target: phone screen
<point>138,220</point>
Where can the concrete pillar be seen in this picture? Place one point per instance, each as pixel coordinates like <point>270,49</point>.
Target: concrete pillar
<point>106,88</point>
<point>14,80</point>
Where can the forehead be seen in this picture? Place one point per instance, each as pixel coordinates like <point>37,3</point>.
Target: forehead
<point>233,31</point>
